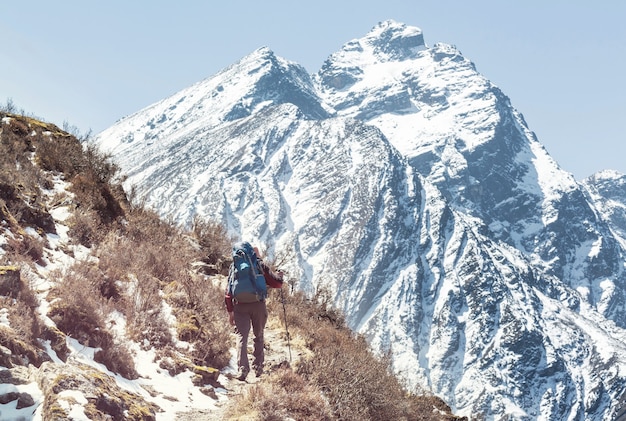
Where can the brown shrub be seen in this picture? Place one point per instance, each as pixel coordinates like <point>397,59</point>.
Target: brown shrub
<point>25,328</point>
<point>78,318</point>
<point>214,240</point>
<point>79,310</point>
<point>84,227</point>
<point>164,251</point>
<point>116,357</point>
<point>64,155</point>
<point>144,314</point>
<point>284,395</point>
<point>199,308</point>
<point>357,384</point>
<point>93,195</point>
<point>24,317</point>
<point>26,245</point>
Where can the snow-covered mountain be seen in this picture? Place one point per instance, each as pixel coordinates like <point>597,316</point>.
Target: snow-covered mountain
<point>409,188</point>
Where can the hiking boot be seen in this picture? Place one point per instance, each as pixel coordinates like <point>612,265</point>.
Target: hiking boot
<point>243,373</point>
<point>258,370</point>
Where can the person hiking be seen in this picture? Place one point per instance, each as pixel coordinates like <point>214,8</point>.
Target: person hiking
<point>248,280</point>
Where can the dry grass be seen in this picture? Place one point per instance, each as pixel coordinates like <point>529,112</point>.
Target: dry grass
<point>80,311</point>
<point>356,384</point>
<point>152,259</point>
<point>24,328</point>
<point>282,395</point>
<point>214,240</point>
<point>20,180</point>
<point>199,309</point>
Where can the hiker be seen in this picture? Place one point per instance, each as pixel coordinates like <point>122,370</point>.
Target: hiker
<point>248,280</point>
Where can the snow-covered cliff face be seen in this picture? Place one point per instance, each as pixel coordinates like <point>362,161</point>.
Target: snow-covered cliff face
<point>410,188</point>
<point>607,190</point>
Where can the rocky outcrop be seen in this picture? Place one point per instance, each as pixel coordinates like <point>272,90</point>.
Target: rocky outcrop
<point>66,385</point>
<point>10,282</point>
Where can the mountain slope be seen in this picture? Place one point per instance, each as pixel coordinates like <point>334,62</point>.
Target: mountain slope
<point>412,191</point>
<point>607,190</point>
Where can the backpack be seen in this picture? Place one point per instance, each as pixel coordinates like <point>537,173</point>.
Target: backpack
<point>246,281</point>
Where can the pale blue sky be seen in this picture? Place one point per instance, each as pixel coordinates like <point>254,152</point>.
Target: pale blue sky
<point>91,63</point>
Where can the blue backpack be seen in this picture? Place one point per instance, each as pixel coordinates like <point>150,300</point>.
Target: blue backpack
<point>246,282</point>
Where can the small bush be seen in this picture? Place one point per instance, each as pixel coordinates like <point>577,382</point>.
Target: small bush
<point>85,227</point>
<point>24,330</point>
<point>117,358</point>
<point>79,310</point>
<point>26,245</point>
<point>95,196</point>
<point>24,317</point>
<point>214,240</point>
<point>64,155</point>
<point>78,319</point>
<point>199,308</point>
<point>162,249</point>
<point>284,395</point>
<point>145,318</point>
<point>361,387</point>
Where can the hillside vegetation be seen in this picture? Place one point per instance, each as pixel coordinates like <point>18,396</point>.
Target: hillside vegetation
<point>128,282</point>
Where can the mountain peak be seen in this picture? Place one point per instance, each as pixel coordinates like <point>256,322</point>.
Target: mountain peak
<point>387,42</point>
<point>606,175</point>
<point>263,55</point>
<point>393,41</point>
<point>388,31</point>
<point>265,50</point>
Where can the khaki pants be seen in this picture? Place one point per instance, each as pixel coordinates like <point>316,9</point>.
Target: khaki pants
<point>247,314</point>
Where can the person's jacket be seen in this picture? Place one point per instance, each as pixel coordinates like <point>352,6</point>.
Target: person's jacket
<point>272,280</point>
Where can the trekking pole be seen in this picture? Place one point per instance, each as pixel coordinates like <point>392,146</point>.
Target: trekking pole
<point>282,299</point>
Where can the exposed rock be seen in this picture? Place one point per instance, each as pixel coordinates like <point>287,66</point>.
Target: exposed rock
<point>16,375</point>
<point>14,351</point>
<point>24,400</point>
<point>210,392</point>
<point>10,283</point>
<point>8,397</point>
<point>205,375</point>
<point>57,341</point>
<point>105,399</point>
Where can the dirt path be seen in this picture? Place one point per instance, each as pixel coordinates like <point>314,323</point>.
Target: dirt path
<point>277,354</point>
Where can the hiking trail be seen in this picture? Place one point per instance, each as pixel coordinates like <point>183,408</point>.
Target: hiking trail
<point>276,355</point>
